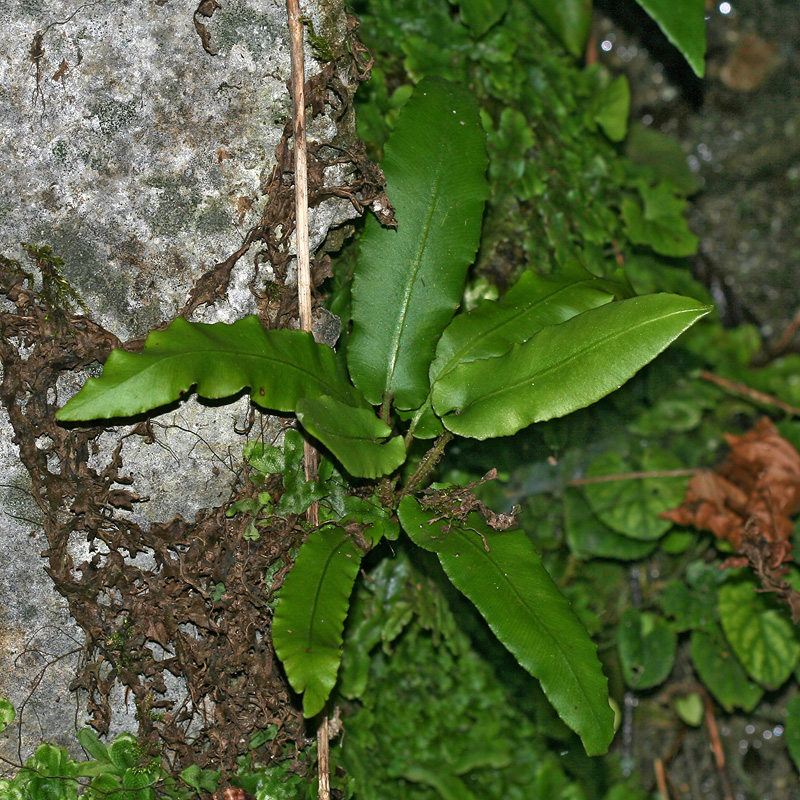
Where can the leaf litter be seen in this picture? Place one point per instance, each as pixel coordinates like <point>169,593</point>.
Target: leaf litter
<point>748,501</point>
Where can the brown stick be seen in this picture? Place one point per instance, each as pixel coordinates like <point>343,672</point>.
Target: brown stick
<point>752,394</point>
<point>304,298</point>
<point>716,745</point>
<point>633,476</point>
<point>661,778</point>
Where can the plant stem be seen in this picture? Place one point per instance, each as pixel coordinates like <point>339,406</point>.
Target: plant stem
<point>304,297</point>
<point>748,392</point>
<point>634,476</point>
<point>428,462</point>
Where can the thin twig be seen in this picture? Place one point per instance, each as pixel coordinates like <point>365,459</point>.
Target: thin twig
<point>304,297</point>
<point>661,778</point>
<point>716,744</point>
<point>786,338</point>
<point>747,391</point>
<point>634,476</point>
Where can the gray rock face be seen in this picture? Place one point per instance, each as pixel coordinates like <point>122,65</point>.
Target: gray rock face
<point>138,144</point>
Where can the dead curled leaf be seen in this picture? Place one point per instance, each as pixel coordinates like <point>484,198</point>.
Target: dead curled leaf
<point>754,491</point>
<point>749,500</point>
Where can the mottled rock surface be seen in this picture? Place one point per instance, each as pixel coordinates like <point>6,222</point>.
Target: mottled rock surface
<point>137,144</point>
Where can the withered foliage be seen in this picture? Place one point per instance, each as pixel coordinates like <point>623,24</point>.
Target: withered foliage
<point>749,500</point>
<point>150,618</point>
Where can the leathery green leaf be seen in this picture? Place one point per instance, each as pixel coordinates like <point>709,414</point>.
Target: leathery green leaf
<point>563,367</point>
<point>308,622</point>
<point>761,634</point>
<point>355,436</point>
<point>512,590</point>
<point>409,281</point>
<point>683,23</point>
<point>534,302</point>
<point>279,367</point>
<point>530,305</point>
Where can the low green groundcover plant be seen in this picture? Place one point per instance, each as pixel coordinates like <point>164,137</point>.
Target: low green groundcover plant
<point>412,370</point>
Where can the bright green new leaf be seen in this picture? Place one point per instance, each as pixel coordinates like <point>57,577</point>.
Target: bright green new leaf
<point>512,590</point>
<point>570,20</point>
<point>760,633</point>
<point>683,23</point>
<point>631,506</point>
<point>646,648</point>
<point>614,106</point>
<point>308,622</point>
<point>124,752</point>
<point>409,281</point>
<point>690,708</point>
<point>279,367</point>
<point>355,436</point>
<point>298,493</point>
<point>561,368</point>
<point>480,15</point>
<point>7,713</point>
<point>93,746</point>
<point>721,672</point>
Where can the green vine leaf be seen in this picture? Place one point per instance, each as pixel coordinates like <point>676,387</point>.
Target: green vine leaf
<point>646,648</point>
<point>409,281</point>
<point>563,367</point>
<point>512,590</point>
<point>355,436</point>
<point>721,672</point>
<point>632,506</point>
<point>761,635</point>
<point>309,618</point>
<point>279,367</point>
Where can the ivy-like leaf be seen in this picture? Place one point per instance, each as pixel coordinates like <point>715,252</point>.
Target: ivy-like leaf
<point>646,648</point>
<point>309,618</point>
<point>563,367</point>
<point>279,367</point>
<point>512,590</point>
<point>587,537</point>
<point>355,436</point>
<point>632,506</point>
<point>409,281</point>
<point>761,635</point>
<point>683,23</point>
<point>721,672</point>
<point>793,729</point>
